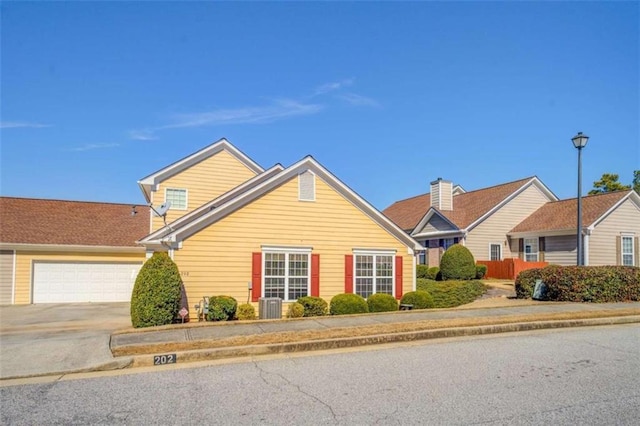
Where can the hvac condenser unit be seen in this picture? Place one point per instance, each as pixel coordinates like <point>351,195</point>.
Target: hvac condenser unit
<point>270,308</point>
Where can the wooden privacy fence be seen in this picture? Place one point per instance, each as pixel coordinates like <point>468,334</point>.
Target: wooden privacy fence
<point>508,269</point>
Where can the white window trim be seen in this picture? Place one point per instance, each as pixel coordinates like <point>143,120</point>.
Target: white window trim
<point>186,198</point>
<point>375,253</point>
<point>300,189</point>
<point>537,252</point>
<point>622,253</point>
<point>286,251</point>
<point>499,247</point>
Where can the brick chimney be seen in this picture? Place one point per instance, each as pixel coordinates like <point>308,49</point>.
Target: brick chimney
<point>442,194</point>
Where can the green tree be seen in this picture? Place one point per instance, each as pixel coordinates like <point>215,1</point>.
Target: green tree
<point>636,181</point>
<point>608,183</point>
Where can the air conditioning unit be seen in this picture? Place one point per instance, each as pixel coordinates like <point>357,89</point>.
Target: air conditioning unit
<point>270,308</point>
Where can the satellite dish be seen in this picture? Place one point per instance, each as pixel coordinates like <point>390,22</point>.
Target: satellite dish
<point>162,210</point>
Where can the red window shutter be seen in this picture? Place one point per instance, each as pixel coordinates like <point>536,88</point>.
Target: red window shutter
<point>315,275</point>
<point>348,273</point>
<point>399,277</point>
<point>256,277</point>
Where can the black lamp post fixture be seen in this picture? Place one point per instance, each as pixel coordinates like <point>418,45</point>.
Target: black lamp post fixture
<point>580,141</point>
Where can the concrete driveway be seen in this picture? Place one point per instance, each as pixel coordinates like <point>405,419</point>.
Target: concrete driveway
<point>58,338</point>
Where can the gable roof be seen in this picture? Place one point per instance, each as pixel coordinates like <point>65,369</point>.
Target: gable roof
<point>215,203</point>
<point>562,215</point>
<point>468,207</point>
<point>30,221</point>
<point>147,183</point>
<point>195,223</point>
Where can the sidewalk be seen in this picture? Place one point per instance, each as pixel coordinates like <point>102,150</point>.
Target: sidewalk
<point>206,341</point>
<point>59,344</point>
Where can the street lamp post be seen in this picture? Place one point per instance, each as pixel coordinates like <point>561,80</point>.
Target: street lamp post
<point>580,141</point>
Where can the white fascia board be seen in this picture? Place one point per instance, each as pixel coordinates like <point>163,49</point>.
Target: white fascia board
<point>227,196</point>
<point>632,195</point>
<point>70,248</point>
<point>534,181</point>
<point>153,179</point>
<point>427,217</point>
<point>307,163</point>
<point>542,233</point>
<point>441,234</point>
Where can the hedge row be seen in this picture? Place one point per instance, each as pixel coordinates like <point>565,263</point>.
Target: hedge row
<point>582,283</point>
<point>447,294</point>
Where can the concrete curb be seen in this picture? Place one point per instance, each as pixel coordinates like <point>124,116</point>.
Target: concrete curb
<point>117,364</point>
<point>347,342</point>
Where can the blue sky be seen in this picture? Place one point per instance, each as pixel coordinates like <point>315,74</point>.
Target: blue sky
<point>388,96</point>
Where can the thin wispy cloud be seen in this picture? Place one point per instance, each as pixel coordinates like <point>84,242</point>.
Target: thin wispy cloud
<point>142,135</point>
<point>21,125</point>
<point>359,100</point>
<point>279,110</point>
<point>333,86</point>
<point>92,146</point>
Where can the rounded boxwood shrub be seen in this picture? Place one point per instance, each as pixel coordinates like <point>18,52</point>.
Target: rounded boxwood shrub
<point>432,273</point>
<point>381,302</point>
<point>295,310</point>
<point>222,308</point>
<point>314,306</point>
<point>481,271</point>
<point>155,299</point>
<point>419,299</point>
<point>348,303</point>
<point>422,271</point>
<point>246,311</point>
<point>457,263</point>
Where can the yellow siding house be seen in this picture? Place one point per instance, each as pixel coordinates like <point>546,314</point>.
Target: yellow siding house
<point>286,233</point>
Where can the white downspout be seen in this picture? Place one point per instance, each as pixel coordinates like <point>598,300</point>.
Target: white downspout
<point>585,246</point>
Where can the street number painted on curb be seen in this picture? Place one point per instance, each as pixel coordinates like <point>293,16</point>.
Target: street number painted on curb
<point>164,359</point>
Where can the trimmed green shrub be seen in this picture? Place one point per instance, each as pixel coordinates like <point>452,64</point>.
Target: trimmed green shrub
<point>481,271</point>
<point>155,299</point>
<point>433,273</point>
<point>348,303</point>
<point>246,311</point>
<point>422,271</point>
<point>448,294</point>
<point>222,308</point>
<point>295,310</point>
<point>381,302</point>
<point>419,299</point>
<point>457,263</point>
<point>314,306</point>
<point>582,283</point>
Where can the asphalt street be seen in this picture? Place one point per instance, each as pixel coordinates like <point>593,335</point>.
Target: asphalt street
<point>565,376</point>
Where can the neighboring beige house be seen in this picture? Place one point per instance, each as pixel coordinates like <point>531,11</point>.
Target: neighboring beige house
<point>521,219</point>
<point>479,219</point>
<point>281,232</point>
<point>611,230</point>
<point>54,251</point>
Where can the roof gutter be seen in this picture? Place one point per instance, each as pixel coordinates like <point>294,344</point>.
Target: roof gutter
<point>71,248</point>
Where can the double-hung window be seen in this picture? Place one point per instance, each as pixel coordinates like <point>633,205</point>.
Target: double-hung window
<point>177,197</point>
<point>531,249</point>
<point>373,273</point>
<point>627,250</point>
<point>286,273</point>
<point>495,252</point>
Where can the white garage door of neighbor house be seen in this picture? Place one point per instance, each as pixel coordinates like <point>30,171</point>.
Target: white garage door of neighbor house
<point>55,282</point>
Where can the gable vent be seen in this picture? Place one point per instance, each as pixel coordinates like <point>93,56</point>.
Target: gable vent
<point>307,186</point>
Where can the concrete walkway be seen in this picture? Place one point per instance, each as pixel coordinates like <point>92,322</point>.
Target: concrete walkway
<point>202,341</point>
<point>61,340</point>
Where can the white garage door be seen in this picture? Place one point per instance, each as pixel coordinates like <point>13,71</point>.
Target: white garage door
<point>83,282</point>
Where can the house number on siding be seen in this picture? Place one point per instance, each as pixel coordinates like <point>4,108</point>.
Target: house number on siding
<point>184,273</point>
<point>164,359</point>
